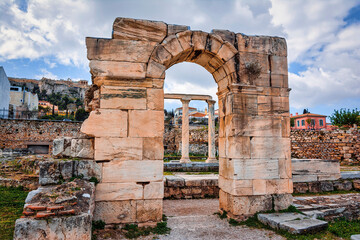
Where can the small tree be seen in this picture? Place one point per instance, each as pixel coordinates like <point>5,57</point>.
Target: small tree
<point>81,114</point>
<point>345,117</point>
<point>292,122</point>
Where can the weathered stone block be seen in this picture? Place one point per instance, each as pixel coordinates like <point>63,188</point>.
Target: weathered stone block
<point>82,148</point>
<point>300,187</point>
<point>279,65</point>
<point>118,191</point>
<point>119,50</point>
<point>342,185</point>
<point>199,40</point>
<point>175,181</point>
<point>138,29</point>
<point>356,184</point>
<point>285,170</point>
<point>114,212</point>
<point>174,28</point>
<point>314,187</point>
<point>153,148</point>
<point>49,173</point>
<point>279,186</point>
<point>236,187</point>
<point>261,168</point>
<point>270,147</point>
<point>132,171</point>
<point>326,186</point>
<point>237,147</point>
<point>118,148</point>
<point>172,45</point>
<point>62,147</point>
<point>262,44</point>
<point>282,201</point>
<point>154,190</point>
<point>106,123</point>
<point>87,169</point>
<point>225,35</point>
<point>126,70</point>
<point>71,227</point>
<point>155,70</point>
<point>155,99</point>
<point>146,123</point>
<point>115,97</point>
<point>149,210</point>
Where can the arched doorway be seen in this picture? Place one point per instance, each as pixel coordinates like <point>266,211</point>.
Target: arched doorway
<point>127,120</point>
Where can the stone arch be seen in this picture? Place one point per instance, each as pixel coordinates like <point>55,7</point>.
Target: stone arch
<point>127,117</point>
<point>206,49</point>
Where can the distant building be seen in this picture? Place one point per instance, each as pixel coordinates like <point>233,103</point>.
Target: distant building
<point>20,99</point>
<point>4,94</point>
<point>309,121</point>
<point>46,104</point>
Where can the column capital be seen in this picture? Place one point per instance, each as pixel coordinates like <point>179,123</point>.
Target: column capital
<point>211,102</point>
<point>185,100</point>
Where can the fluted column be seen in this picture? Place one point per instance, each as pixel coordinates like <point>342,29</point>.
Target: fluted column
<point>211,132</point>
<point>185,132</point>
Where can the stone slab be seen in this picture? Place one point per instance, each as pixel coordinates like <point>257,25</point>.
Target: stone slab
<point>275,219</point>
<point>304,226</point>
<point>125,70</point>
<point>115,97</point>
<point>355,237</point>
<point>106,123</point>
<point>294,223</point>
<point>133,171</point>
<point>139,29</point>
<point>350,175</point>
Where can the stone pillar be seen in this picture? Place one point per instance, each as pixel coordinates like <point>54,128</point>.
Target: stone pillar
<point>185,132</point>
<point>211,132</point>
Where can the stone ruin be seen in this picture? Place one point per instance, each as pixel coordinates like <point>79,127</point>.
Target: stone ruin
<point>127,117</point>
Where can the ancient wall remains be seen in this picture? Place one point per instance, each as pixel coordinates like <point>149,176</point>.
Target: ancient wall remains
<point>340,145</point>
<point>18,134</point>
<point>127,117</point>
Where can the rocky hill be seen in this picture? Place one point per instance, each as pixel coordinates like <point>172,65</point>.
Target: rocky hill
<point>45,86</point>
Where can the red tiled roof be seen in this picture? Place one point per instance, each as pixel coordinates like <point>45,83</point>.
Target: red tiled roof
<point>308,115</point>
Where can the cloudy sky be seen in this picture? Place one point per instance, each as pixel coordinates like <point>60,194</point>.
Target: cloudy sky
<point>47,38</point>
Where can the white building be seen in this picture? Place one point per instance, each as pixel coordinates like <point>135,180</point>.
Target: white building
<point>4,94</point>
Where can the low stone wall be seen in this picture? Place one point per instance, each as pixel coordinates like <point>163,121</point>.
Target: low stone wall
<point>310,170</point>
<point>186,187</point>
<point>340,145</point>
<point>191,167</point>
<point>19,134</point>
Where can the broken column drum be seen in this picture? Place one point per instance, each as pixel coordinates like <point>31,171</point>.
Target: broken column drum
<point>127,117</point>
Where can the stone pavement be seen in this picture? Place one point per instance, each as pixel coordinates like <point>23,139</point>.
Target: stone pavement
<point>330,206</point>
<point>195,219</point>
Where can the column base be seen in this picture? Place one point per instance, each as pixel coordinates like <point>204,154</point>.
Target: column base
<point>144,212</point>
<point>212,160</point>
<point>185,160</point>
<point>242,207</point>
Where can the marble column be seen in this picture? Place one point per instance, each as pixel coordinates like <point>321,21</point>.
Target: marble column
<point>211,133</point>
<point>185,132</point>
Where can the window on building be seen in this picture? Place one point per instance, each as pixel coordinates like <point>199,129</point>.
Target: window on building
<point>298,123</point>
<point>302,122</point>
<point>321,122</point>
<point>312,122</point>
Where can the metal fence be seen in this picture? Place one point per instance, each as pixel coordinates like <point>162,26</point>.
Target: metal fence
<point>19,114</point>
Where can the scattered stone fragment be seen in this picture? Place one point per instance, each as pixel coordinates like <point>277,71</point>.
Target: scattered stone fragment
<point>294,223</point>
<point>355,237</point>
<point>303,226</point>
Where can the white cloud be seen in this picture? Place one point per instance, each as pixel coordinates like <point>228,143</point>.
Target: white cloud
<point>316,34</point>
<point>45,73</point>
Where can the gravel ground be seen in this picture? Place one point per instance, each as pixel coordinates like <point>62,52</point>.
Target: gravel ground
<point>194,219</point>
